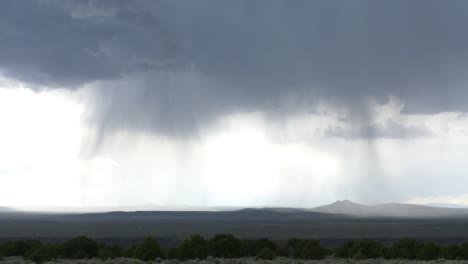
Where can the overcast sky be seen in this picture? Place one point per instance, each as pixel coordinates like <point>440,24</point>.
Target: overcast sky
<point>239,103</point>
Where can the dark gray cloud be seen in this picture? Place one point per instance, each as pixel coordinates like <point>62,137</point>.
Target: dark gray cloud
<point>172,66</point>
<point>67,44</point>
<point>391,130</point>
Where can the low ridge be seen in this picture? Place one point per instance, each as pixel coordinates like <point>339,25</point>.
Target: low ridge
<point>347,207</point>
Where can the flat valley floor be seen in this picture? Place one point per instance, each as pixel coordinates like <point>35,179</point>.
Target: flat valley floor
<point>170,227</point>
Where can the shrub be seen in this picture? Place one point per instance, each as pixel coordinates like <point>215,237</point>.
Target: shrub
<point>266,254</point>
<point>345,250</point>
<point>281,251</point>
<point>110,252</point>
<point>225,246</point>
<point>405,248</point>
<point>149,249</point>
<point>294,247</point>
<point>429,251</point>
<point>80,248</point>
<point>253,247</point>
<point>171,253</point>
<point>193,248</point>
<point>130,251</point>
<point>311,249</point>
<point>43,253</point>
<point>361,249</point>
<point>464,251</point>
<point>451,252</point>
<point>17,248</point>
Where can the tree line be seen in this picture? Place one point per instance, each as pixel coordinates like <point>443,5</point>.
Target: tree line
<point>228,246</point>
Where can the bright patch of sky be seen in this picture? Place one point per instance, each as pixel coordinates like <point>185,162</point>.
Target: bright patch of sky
<point>243,160</point>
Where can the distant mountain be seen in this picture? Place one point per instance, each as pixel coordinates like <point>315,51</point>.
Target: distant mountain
<point>338,209</point>
<point>447,205</point>
<point>278,209</point>
<point>347,207</point>
<point>105,209</point>
<point>242,214</point>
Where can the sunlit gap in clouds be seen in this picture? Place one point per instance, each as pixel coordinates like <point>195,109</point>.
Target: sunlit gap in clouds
<point>234,162</point>
<point>40,138</point>
<point>244,164</point>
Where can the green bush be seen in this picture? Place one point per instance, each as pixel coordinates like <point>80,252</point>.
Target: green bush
<point>345,250</point>
<point>17,248</point>
<point>252,247</point>
<point>464,251</point>
<point>193,248</point>
<point>281,251</point>
<point>171,253</point>
<point>110,252</point>
<point>294,247</point>
<point>405,248</point>
<point>266,254</point>
<point>305,249</point>
<point>429,251</point>
<point>80,248</point>
<point>451,252</point>
<point>149,249</point>
<point>311,249</point>
<point>130,251</point>
<point>361,249</point>
<point>43,253</point>
<point>225,246</point>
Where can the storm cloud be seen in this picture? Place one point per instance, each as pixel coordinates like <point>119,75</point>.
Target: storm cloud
<point>172,67</point>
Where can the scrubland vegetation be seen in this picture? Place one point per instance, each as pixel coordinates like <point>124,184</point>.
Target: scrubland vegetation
<point>225,248</point>
<point>209,260</point>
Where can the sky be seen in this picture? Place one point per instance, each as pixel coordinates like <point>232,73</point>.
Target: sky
<point>232,103</point>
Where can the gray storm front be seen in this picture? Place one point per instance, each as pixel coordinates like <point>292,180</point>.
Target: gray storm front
<point>232,103</point>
